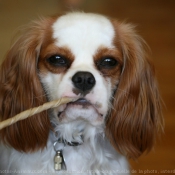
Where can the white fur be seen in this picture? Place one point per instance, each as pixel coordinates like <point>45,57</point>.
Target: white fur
<point>88,158</point>
<point>83,34</point>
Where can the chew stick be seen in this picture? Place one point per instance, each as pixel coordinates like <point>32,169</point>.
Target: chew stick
<point>25,114</point>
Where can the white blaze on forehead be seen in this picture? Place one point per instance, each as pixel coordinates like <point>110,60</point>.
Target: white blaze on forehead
<point>83,33</point>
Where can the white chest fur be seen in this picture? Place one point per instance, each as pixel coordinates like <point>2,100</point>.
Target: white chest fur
<point>85,159</point>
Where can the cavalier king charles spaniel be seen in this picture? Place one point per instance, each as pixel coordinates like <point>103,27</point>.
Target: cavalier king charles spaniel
<point>98,60</point>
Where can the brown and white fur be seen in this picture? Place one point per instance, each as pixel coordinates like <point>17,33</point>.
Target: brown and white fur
<point>98,59</point>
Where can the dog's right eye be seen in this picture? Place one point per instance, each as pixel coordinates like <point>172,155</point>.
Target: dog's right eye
<point>58,60</point>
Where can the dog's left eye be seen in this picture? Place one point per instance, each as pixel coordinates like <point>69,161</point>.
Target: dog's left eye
<point>107,62</point>
<point>57,60</point>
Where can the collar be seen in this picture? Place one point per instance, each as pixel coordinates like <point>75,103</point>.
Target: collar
<point>59,159</point>
<point>67,143</point>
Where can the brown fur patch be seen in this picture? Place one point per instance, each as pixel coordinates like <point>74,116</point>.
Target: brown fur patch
<point>114,72</point>
<point>50,50</point>
<point>136,119</point>
<point>20,89</point>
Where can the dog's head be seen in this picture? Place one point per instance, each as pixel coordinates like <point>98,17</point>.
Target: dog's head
<point>95,58</point>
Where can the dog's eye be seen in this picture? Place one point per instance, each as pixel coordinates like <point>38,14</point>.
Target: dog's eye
<point>57,60</point>
<point>107,62</point>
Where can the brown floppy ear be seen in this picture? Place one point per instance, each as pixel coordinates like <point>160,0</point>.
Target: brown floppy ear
<point>136,118</point>
<point>20,89</point>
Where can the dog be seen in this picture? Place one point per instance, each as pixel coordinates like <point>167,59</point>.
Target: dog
<point>104,64</point>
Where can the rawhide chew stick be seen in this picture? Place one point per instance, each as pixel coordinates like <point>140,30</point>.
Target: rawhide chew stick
<point>25,114</point>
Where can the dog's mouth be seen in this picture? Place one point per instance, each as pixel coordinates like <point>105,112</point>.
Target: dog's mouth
<point>80,109</point>
<point>81,101</point>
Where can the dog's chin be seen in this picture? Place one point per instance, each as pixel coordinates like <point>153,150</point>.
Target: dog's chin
<point>81,109</point>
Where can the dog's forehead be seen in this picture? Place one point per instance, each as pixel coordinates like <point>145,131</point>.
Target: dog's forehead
<point>83,32</point>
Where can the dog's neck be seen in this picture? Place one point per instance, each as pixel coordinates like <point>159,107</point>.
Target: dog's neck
<point>74,134</point>
<point>75,143</point>
<point>77,132</point>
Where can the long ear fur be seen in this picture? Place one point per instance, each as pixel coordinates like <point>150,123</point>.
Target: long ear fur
<point>136,119</point>
<point>20,89</point>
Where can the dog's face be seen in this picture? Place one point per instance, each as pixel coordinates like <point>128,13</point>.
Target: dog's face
<point>81,61</point>
<point>97,59</point>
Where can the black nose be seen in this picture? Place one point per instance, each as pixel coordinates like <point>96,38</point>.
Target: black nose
<point>84,81</point>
